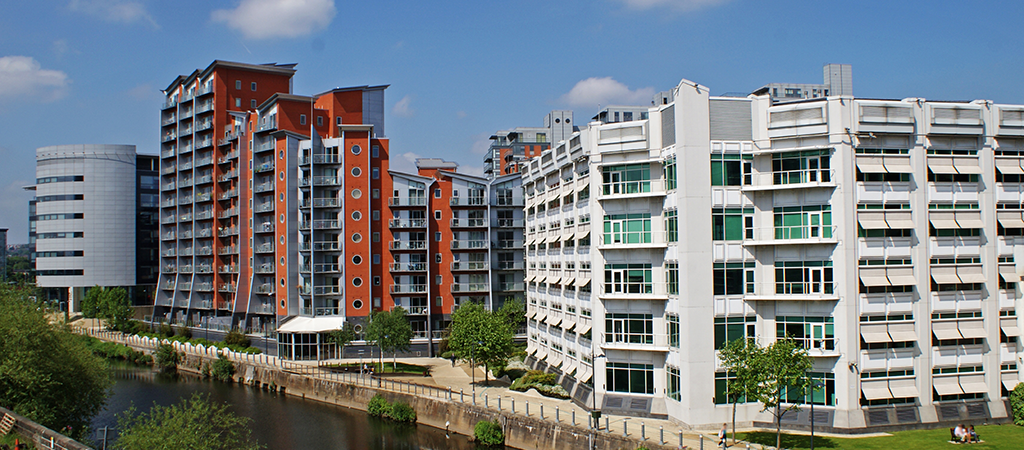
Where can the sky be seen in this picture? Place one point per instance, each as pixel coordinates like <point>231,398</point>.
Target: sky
<point>91,71</point>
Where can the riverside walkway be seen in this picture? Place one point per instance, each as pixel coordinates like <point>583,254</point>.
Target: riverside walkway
<point>455,384</point>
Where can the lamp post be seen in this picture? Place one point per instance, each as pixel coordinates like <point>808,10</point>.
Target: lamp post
<point>815,385</point>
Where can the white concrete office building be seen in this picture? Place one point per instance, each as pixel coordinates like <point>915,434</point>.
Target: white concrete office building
<point>885,236</point>
<point>84,224</point>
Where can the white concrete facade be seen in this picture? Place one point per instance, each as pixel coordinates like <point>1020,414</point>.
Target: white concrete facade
<point>885,236</point>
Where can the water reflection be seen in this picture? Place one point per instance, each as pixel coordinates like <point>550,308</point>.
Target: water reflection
<point>279,421</point>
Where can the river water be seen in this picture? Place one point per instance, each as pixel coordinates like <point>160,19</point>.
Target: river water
<point>278,421</point>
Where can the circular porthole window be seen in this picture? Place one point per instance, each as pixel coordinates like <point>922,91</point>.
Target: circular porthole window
<point>356,237</point>
<point>356,193</point>
<point>357,328</point>
<point>356,215</point>
<point>280,154</point>
<point>357,282</point>
<point>280,175</point>
<point>557,121</point>
<point>356,149</point>
<point>566,120</point>
<point>282,260</point>
<point>356,171</point>
<point>280,197</point>
<point>281,240</point>
<point>282,218</point>
<point>357,260</point>
<point>282,282</point>
<point>282,303</point>
<point>357,304</point>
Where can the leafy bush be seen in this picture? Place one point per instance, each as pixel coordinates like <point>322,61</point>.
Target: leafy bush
<point>111,350</point>
<point>1017,404</point>
<point>184,332</point>
<point>235,338</point>
<point>378,406</point>
<point>166,330</point>
<point>167,357</point>
<point>489,433</point>
<point>539,377</point>
<point>402,412</point>
<point>223,369</point>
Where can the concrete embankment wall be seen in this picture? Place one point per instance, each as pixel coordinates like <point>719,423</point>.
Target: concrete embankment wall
<point>520,432</point>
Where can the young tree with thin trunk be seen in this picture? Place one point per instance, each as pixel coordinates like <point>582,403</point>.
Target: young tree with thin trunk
<point>781,366</point>
<point>736,357</point>
<point>342,337</point>
<point>389,331</point>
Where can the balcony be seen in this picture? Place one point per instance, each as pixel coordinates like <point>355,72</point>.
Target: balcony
<point>264,167</point>
<point>632,189</point>
<point>204,287</point>
<point>168,120</point>
<point>204,251</point>
<point>204,125</point>
<point>507,287</point>
<point>507,244</point>
<point>185,269</point>
<point>168,137</point>
<point>267,247</point>
<point>417,310</point>
<point>168,269</point>
<point>469,223</point>
<point>796,291</point>
<point>170,103</point>
<point>326,290</point>
<point>408,245</point>
<point>227,213</point>
<point>265,289</point>
<point>169,153</point>
<point>470,287</point>
<point>468,201</point>
<point>408,288</point>
<point>204,268</point>
<point>265,268</point>
<point>514,202</point>
<point>325,181</point>
<point>264,207</point>
<point>203,215</point>
<point>326,202</point>
<point>324,246</point>
<point>228,157</point>
<point>170,236</point>
<point>229,250</point>
<point>327,224</point>
<point>794,235</point>
<point>204,232</point>
<point>264,187</point>
<point>227,269</point>
<point>224,232</point>
<point>169,186</point>
<point>204,196</point>
<point>511,265</point>
<point>469,245</point>
<point>268,125</point>
<point>233,173</point>
<point>326,268</point>
<point>226,287</point>
<point>635,342</point>
<point>470,265</point>
<point>266,146</point>
<point>408,267</point>
<point>653,291</point>
<point>185,218</point>
<point>792,179</point>
<point>265,227</point>
<point>630,240</point>
<point>169,253</point>
<point>508,223</point>
<point>407,201</point>
<point>228,194</point>
<point>407,223</point>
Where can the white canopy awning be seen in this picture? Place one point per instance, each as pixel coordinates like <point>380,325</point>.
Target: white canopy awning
<point>874,333</point>
<point>902,332</point>
<point>302,324</point>
<point>969,219</point>
<point>947,385</point>
<point>870,164</point>
<point>584,327</point>
<point>945,275</point>
<point>1010,219</point>
<point>972,329</point>
<point>901,276</point>
<point>943,220</point>
<point>973,384</point>
<point>899,220</point>
<point>904,388</point>
<point>875,390</point>
<point>968,166</point>
<point>970,274</point>
<point>897,164</point>
<point>873,276</point>
<point>872,220</point>
<point>1010,380</point>
<point>1009,326</point>
<point>940,165</point>
<point>587,373</point>
<point>1009,166</point>
<point>945,331</point>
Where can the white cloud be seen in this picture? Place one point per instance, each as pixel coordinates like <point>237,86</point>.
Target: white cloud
<point>22,76</point>
<point>606,91</point>
<point>404,107</point>
<point>264,19</point>
<point>678,5</point>
<point>114,10</point>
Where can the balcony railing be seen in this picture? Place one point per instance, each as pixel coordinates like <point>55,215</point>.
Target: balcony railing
<point>407,201</point>
<point>326,202</point>
<point>265,248</point>
<point>511,286</point>
<point>508,223</point>
<point>224,232</point>
<point>266,288</point>
<point>408,245</point>
<point>326,224</point>
<point>326,290</point>
<point>469,245</point>
<point>264,207</point>
<point>226,288</point>
<point>510,265</point>
<point>325,181</point>
<point>631,189</point>
<point>408,288</point>
<point>468,201</point>
<point>265,268</point>
<point>263,187</point>
<point>417,310</point>
<point>407,223</point>
<point>470,287</point>
<point>408,267</point>
<point>468,223</point>
<point>229,250</point>
<point>505,244</point>
<point>470,265</point>
<point>792,179</point>
<point>797,234</point>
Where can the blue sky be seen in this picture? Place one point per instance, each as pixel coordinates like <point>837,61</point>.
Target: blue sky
<point>90,71</point>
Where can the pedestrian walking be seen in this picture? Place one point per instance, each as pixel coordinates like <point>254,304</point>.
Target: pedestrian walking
<point>721,436</point>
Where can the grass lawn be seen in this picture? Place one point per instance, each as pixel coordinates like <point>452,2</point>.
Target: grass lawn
<point>995,436</point>
<point>9,440</point>
<point>402,368</point>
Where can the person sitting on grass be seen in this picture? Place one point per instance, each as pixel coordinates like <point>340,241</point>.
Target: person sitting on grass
<point>972,436</point>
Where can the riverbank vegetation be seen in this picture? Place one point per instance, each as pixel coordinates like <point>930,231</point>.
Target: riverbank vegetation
<point>112,350</point>
<point>483,337</point>
<point>47,373</point>
<point>545,383</point>
<point>489,433</point>
<point>195,423</point>
<point>399,411</point>
<point>389,367</point>
<point>234,341</point>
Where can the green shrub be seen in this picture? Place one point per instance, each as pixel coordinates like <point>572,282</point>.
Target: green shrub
<point>184,332</point>
<point>235,338</point>
<point>166,330</point>
<point>402,412</point>
<point>378,406</point>
<point>205,370</point>
<point>223,369</point>
<point>166,357</point>
<point>489,433</point>
<point>1017,404</point>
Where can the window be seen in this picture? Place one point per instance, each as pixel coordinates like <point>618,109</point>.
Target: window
<point>952,178</point>
<point>437,214</point>
<point>319,121</point>
<point>302,119</point>
<point>803,222</point>
<point>627,279</point>
<point>376,282</point>
<point>437,236</point>
<point>375,173</point>
<point>886,177</point>
<point>809,332</point>
<point>734,278</point>
<point>252,86</point>
<point>728,329</point>
<point>673,383</point>
<point>732,224</point>
<point>376,259</point>
<point>672,225</point>
<point>356,149</point>
<point>627,228</point>
<point>376,236</point>
<point>672,274</point>
<point>673,330</point>
<point>810,166</point>
<point>437,193</point>
<point>627,116</point>
<point>252,103</point>
<point>375,151</point>
<point>629,328</point>
<point>376,215</point>
<point>724,381</point>
<point>803,277</point>
<point>437,258</point>
<point>626,179</point>
<point>670,174</point>
<point>375,193</point>
<point>238,104</point>
<point>825,396</point>
<point>238,84</point>
<point>631,378</point>
<point>730,169</point>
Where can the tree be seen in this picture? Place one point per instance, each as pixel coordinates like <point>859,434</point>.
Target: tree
<point>480,336</point>
<point>390,331</point>
<point>47,373</point>
<point>114,307</point>
<point>91,302</point>
<point>781,366</point>
<point>196,423</point>
<point>736,358</point>
<point>342,337</point>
